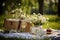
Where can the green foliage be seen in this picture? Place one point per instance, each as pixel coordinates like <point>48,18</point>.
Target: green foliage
<point>24,5</point>
<point>1,21</point>
<point>28,4</point>
<point>53,22</point>
<point>50,7</point>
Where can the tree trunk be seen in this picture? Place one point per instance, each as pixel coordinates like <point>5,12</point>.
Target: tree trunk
<point>50,7</point>
<point>59,8</point>
<point>1,1</point>
<point>56,6</point>
<point>41,6</point>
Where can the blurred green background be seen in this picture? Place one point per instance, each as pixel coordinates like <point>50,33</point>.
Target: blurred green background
<point>50,10</point>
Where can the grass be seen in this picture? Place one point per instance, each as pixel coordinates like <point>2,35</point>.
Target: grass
<point>2,17</point>
<point>1,21</point>
<point>54,21</point>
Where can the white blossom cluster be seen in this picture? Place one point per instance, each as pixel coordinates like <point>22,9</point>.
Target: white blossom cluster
<point>18,13</point>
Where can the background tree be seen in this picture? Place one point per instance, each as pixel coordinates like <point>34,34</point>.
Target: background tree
<point>9,5</point>
<point>1,8</point>
<point>59,8</point>
<point>56,6</point>
<point>50,7</point>
<point>41,3</point>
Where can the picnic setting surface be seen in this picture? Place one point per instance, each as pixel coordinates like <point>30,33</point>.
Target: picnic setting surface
<point>55,34</point>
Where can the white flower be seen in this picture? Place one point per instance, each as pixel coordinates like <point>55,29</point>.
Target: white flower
<point>12,11</point>
<point>3,4</point>
<point>33,18</point>
<point>19,4</point>
<point>43,20</point>
<point>47,18</point>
